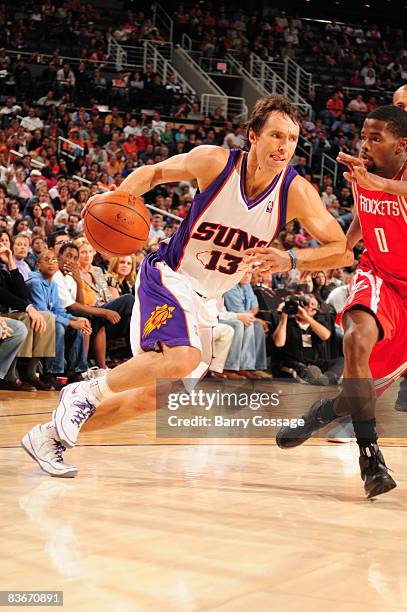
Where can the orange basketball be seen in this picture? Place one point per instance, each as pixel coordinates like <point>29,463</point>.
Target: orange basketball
<point>116,223</point>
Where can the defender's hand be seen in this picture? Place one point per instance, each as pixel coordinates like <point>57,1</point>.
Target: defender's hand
<point>359,174</point>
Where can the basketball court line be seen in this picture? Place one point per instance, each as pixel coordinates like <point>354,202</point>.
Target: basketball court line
<point>3,416</point>
<point>384,442</point>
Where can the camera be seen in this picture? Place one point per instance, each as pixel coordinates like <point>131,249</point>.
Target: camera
<point>292,302</point>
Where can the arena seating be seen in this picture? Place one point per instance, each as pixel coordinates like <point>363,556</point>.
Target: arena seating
<point>71,124</point>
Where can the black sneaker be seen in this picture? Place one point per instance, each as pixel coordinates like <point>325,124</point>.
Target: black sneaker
<point>50,379</point>
<point>374,472</point>
<point>289,437</point>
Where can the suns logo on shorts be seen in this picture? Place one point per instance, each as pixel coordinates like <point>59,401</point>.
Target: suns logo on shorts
<point>158,317</point>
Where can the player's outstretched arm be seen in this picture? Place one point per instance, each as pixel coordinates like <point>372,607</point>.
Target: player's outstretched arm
<point>204,163</point>
<point>305,205</point>
<point>359,175</point>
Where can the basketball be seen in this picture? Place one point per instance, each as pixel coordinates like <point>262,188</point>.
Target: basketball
<point>116,223</point>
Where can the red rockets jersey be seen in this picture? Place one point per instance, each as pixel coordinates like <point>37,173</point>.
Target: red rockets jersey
<point>383,219</point>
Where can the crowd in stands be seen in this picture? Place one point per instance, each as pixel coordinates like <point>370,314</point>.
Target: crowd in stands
<point>69,307</point>
<point>368,56</point>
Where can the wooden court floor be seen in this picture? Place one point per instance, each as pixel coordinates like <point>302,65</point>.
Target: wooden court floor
<point>186,525</point>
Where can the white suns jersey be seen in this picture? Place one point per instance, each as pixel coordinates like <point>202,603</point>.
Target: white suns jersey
<point>222,223</point>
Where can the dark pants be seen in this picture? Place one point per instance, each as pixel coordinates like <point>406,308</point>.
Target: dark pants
<point>69,346</point>
<point>123,305</point>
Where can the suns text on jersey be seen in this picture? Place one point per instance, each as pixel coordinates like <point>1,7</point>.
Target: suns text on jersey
<point>223,236</point>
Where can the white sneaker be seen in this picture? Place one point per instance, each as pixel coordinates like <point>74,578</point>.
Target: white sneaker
<point>73,410</point>
<point>41,444</point>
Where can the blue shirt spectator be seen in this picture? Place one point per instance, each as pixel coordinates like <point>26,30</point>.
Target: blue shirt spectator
<point>240,298</point>
<point>69,342</point>
<point>44,296</point>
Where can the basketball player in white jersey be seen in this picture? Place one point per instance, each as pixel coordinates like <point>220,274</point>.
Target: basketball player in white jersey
<point>244,200</point>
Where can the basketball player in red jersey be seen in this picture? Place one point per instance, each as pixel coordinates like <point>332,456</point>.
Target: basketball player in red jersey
<point>374,317</point>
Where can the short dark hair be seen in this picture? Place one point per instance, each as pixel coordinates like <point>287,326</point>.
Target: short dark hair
<point>395,117</point>
<point>68,245</point>
<point>52,237</point>
<point>265,106</point>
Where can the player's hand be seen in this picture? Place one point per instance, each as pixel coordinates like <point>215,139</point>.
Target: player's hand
<point>270,259</point>
<point>81,324</point>
<point>247,318</point>
<point>359,174</point>
<point>93,198</point>
<point>111,316</point>
<point>38,322</point>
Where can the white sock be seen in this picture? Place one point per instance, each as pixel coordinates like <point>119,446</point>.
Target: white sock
<point>99,389</point>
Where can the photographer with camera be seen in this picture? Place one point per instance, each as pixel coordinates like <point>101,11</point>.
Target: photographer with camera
<point>302,343</point>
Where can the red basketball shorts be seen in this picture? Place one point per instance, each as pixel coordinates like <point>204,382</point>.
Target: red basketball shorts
<point>369,292</point>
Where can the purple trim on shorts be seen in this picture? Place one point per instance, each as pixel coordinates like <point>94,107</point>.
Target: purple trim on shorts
<point>172,252</point>
<point>288,179</point>
<point>152,293</point>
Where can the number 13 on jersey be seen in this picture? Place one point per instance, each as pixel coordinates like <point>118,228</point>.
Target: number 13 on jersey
<point>227,265</point>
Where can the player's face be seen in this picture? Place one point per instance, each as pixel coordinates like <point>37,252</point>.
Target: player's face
<point>276,143</point>
<point>379,145</point>
<point>400,99</point>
